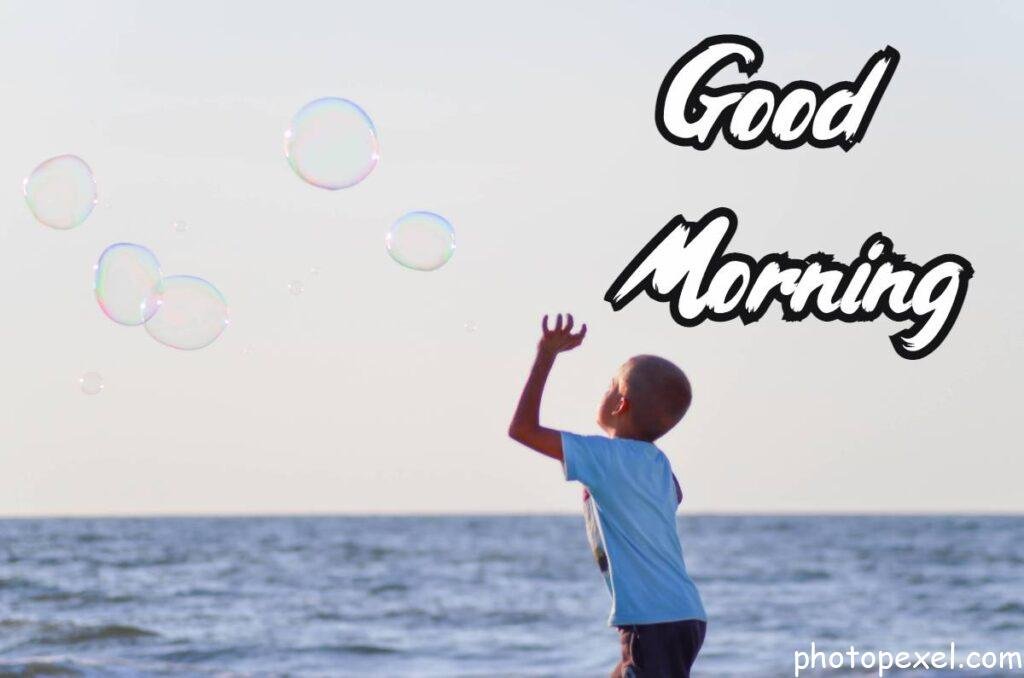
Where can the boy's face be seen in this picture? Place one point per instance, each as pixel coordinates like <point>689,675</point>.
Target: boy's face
<point>611,407</point>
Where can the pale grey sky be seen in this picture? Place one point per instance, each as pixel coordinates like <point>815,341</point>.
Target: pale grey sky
<point>530,126</point>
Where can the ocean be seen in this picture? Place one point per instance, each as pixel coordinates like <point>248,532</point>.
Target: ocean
<point>484,596</point>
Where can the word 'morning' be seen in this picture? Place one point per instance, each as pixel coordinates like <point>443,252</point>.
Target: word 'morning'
<point>689,112</point>
<point>686,265</point>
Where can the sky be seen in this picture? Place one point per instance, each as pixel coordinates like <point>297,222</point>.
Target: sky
<point>530,127</point>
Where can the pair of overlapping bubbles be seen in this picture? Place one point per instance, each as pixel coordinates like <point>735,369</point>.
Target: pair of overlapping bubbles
<point>180,311</point>
<point>332,143</point>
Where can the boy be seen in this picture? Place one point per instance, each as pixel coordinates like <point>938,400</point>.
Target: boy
<point>630,499</point>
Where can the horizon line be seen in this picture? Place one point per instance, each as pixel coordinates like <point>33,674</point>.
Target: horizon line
<point>225,515</point>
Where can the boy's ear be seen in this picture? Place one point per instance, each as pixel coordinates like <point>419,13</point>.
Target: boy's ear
<point>621,407</point>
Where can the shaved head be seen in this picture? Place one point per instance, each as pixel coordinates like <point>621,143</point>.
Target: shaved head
<point>658,392</point>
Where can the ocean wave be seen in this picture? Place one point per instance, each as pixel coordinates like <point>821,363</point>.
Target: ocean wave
<point>37,667</point>
<point>364,649</point>
<point>360,649</point>
<point>68,634</point>
<point>768,577</point>
<point>95,667</point>
<point>82,598</point>
<point>1006,626</point>
<point>200,655</point>
<point>89,538</point>
<point>21,584</point>
<point>810,575</point>
<point>1012,607</point>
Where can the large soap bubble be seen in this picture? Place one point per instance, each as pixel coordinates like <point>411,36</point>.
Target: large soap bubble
<point>61,191</point>
<point>127,283</point>
<point>332,143</point>
<point>423,241</point>
<point>192,313</point>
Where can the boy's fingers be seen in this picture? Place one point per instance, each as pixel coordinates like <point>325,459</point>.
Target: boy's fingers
<point>568,322</point>
<point>558,323</point>
<point>583,331</point>
<point>544,325</point>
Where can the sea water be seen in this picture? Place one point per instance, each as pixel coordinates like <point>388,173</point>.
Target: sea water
<point>482,596</point>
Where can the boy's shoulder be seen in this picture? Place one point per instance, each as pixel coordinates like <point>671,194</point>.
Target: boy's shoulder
<point>587,456</point>
<point>606,445</point>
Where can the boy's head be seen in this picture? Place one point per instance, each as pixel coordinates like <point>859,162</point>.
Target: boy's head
<point>648,396</point>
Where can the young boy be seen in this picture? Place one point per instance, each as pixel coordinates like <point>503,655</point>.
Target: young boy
<point>630,499</point>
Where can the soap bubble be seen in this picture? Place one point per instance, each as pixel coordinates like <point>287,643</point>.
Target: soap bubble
<point>91,383</point>
<point>191,314</point>
<point>332,143</point>
<point>296,287</point>
<point>470,326</point>
<point>180,226</point>
<point>127,283</point>
<point>421,240</point>
<point>314,271</point>
<point>61,191</point>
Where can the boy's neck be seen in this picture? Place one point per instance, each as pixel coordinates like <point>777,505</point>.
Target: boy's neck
<point>627,434</point>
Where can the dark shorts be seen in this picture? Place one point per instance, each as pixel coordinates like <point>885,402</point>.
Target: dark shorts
<point>659,650</point>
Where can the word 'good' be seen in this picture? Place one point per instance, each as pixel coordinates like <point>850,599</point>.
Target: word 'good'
<point>690,112</point>
<point>686,265</point>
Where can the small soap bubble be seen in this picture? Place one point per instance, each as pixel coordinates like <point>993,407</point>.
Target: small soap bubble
<point>61,192</point>
<point>180,226</point>
<point>127,283</point>
<point>191,313</point>
<point>332,143</point>
<point>470,326</point>
<point>295,288</point>
<point>91,383</point>
<point>314,271</point>
<point>423,241</point>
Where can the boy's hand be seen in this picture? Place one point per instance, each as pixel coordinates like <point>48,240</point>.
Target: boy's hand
<point>525,426</point>
<point>560,338</point>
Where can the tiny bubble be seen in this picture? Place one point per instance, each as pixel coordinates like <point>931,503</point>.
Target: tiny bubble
<point>91,383</point>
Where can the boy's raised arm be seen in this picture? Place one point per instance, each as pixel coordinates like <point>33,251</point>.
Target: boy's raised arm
<point>525,427</point>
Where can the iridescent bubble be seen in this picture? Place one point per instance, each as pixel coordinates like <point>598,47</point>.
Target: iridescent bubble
<point>127,283</point>
<point>423,241</point>
<point>295,287</point>
<point>191,314</point>
<point>91,383</point>
<point>332,143</point>
<point>61,191</point>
